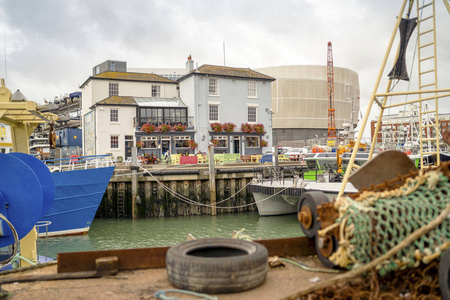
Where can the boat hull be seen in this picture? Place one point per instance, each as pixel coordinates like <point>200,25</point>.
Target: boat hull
<point>78,194</point>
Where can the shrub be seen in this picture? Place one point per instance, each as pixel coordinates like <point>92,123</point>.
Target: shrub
<point>215,142</point>
<point>228,127</point>
<point>193,144</point>
<point>147,128</point>
<point>246,128</point>
<point>216,127</point>
<point>179,127</point>
<point>164,128</point>
<point>259,128</point>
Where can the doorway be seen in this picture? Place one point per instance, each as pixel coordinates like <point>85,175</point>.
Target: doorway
<point>165,145</point>
<point>237,144</point>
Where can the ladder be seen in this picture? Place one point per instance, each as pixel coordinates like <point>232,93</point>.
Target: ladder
<point>121,201</point>
<point>427,68</point>
<point>427,94</point>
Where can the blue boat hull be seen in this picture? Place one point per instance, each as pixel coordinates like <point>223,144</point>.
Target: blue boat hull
<point>78,194</point>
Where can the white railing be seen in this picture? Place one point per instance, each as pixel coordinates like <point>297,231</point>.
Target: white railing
<point>79,162</point>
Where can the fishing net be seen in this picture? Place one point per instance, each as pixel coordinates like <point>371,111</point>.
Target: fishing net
<point>376,221</point>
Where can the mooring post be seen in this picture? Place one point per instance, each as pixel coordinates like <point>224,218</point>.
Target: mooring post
<point>212,179</point>
<point>133,182</point>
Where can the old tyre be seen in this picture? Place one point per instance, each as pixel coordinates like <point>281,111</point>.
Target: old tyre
<point>325,247</point>
<point>217,265</point>
<point>307,212</point>
<point>444,275</point>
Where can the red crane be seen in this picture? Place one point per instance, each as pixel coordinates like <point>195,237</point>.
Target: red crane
<point>330,75</point>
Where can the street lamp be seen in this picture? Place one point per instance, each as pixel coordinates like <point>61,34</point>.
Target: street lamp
<point>274,141</point>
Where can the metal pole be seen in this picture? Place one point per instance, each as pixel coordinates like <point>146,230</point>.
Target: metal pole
<point>212,179</point>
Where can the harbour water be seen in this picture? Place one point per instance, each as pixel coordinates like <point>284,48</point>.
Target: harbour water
<point>107,234</point>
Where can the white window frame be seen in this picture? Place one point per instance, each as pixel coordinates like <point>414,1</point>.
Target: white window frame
<point>156,91</point>
<point>181,138</point>
<point>113,112</point>
<point>113,89</point>
<point>222,140</point>
<point>150,142</point>
<point>210,105</point>
<point>113,66</point>
<point>258,143</point>
<point>111,141</point>
<point>252,89</point>
<point>256,114</point>
<point>213,86</point>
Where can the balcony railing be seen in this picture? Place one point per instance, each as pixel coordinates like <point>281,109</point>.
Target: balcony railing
<point>189,121</point>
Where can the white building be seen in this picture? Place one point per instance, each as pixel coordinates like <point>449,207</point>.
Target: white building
<point>109,108</point>
<point>218,94</point>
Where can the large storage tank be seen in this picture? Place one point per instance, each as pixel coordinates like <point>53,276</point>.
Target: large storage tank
<point>300,100</point>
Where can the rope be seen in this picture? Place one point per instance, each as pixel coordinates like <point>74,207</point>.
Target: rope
<point>305,267</point>
<point>367,267</point>
<point>193,202</point>
<point>162,295</point>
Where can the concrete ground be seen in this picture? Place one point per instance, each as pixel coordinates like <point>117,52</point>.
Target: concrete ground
<point>142,284</point>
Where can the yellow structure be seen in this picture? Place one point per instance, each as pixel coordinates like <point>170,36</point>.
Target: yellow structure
<point>23,117</point>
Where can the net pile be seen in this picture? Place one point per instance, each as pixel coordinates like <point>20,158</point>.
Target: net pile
<point>376,221</point>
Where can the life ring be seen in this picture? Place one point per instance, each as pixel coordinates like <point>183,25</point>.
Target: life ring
<point>217,265</point>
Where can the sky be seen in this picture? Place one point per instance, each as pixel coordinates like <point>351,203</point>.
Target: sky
<point>49,47</point>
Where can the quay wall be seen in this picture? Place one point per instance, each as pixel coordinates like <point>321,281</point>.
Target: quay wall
<point>162,195</point>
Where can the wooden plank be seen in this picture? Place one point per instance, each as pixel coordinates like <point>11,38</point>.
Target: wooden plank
<point>145,258</point>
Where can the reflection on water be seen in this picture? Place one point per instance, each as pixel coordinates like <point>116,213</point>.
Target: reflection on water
<point>122,234</point>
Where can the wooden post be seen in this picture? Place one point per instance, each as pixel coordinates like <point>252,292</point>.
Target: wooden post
<point>212,179</point>
<point>133,183</point>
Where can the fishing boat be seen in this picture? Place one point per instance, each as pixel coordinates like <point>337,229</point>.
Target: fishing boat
<point>280,194</point>
<point>80,183</point>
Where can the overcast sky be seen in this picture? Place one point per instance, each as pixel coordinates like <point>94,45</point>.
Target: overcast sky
<point>51,46</point>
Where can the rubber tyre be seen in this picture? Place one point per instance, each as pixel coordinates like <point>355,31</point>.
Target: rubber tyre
<point>444,275</point>
<point>312,200</point>
<point>324,260</point>
<point>217,265</point>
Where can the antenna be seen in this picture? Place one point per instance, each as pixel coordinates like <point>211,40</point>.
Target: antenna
<point>224,54</point>
<point>4,35</point>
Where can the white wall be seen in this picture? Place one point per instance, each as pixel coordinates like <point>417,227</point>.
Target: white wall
<point>105,128</point>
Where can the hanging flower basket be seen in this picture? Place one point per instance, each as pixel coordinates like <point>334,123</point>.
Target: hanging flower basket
<point>179,127</point>
<point>247,128</point>
<point>193,144</point>
<point>259,128</point>
<point>263,143</point>
<point>164,128</point>
<point>216,127</point>
<point>228,127</point>
<point>139,144</point>
<point>215,142</point>
<point>147,128</point>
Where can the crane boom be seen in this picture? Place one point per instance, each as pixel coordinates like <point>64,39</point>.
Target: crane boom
<point>331,110</point>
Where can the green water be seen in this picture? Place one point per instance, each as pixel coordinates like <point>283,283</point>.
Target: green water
<point>124,234</point>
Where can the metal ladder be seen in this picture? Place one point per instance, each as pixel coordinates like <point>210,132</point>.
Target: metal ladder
<point>121,201</point>
<point>427,65</point>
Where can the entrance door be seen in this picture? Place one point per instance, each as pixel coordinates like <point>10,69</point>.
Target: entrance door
<point>165,145</point>
<point>128,146</point>
<point>237,144</point>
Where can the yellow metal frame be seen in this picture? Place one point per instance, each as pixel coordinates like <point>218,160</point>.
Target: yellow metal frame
<point>23,117</point>
<point>437,93</point>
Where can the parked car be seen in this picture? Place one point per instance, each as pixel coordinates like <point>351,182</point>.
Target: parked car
<point>266,158</point>
<point>296,153</point>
